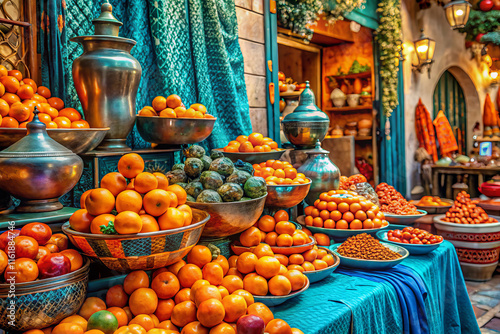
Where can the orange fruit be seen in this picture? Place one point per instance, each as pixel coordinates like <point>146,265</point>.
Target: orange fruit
<point>246,262</point>
<point>143,301</point>
<point>114,182</point>
<point>99,201</point>
<point>162,180</point>
<point>81,124</point>
<point>167,324</point>
<point>281,215</point>
<point>145,182</point>
<point>116,296</point>
<point>128,200</point>
<point>232,261</point>
<point>194,327</point>
<point>319,264</point>
<point>10,83</point>
<point>295,267</point>
<point>173,199</point>
<point>255,284</point>
<point>168,112</point>
<point>90,306</point>
<point>183,313</point>
<point>223,263</point>
<point>189,274</point>
<point>283,259</point>
<point>101,221</point>
<point>65,328</point>
<point>246,147</point>
<point>149,224</point>
<point>232,148</point>
<point>156,202</point>
<point>30,82</point>
<point>213,273</point>
<point>120,315</point>
<point>183,295</point>
<point>128,222</point>
<point>166,285</point>
<point>173,101</point>
<point>250,237</point>
<point>285,227</point>
<point>135,280</point>
<point>256,139</point>
<point>232,283</point>
<point>267,266</point>
<point>310,255</point>
<point>180,112</point>
<point>130,165</point>
<point>241,139</point>
<point>159,103</point>
<point>11,98</point>
<point>262,311</point>
<point>74,257</point>
<point>74,319</point>
<point>211,312</point>
<point>23,269</point>
<point>223,291</point>
<point>80,221</point>
<point>39,98</point>
<point>271,238</point>
<point>246,295</point>
<point>172,218</point>
<point>322,239</point>
<point>72,114</point>
<point>55,102</point>
<point>297,331</point>
<point>62,122</point>
<point>263,250</point>
<point>179,192</point>
<point>296,259</point>
<point>296,279</point>
<point>278,326</point>
<point>196,286</point>
<point>308,266</point>
<point>234,271</point>
<point>279,285</point>
<point>199,107</point>
<point>222,328</point>
<point>3,71</point>
<point>235,307</point>
<point>164,309</point>
<point>143,320</point>
<point>25,92</point>
<point>174,268</point>
<point>205,292</point>
<point>4,108</point>
<point>9,122</point>
<point>284,240</point>
<point>16,74</point>
<point>266,223</point>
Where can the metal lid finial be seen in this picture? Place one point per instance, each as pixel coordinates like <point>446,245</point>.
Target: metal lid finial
<point>106,23</point>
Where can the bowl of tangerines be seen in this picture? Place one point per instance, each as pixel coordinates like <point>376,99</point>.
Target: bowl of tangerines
<point>135,220</point>
<point>18,98</point>
<point>343,213</point>
<point>46,280</point>
<point>169,122</point>
<point>254,148</point>
<point>285,186</point>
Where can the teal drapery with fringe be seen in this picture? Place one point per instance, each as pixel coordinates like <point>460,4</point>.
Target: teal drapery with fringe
<point>185,47</point>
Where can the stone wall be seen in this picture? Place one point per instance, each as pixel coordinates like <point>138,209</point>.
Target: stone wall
<point>451,55</point>
<point>250,14</point>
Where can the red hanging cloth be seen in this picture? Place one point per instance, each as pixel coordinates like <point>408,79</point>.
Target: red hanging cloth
<point>425,130</point>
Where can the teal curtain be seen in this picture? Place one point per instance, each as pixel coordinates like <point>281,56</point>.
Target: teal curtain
<point>185,47</point>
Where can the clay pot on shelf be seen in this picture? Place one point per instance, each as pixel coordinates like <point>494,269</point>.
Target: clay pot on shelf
<point>350,129</point>
<point>337,132</point>
<point>338,98</point>
<point>353,100</point>
<point>365,123</point>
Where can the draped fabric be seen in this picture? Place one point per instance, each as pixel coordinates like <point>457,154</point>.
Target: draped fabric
<point>444,133</point>
<point>185,47</point>
<point>425,130</point>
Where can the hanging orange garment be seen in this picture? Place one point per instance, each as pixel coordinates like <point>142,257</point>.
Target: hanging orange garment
<point>489,117</point>
<point>444,133</point>
<point>425,130</point>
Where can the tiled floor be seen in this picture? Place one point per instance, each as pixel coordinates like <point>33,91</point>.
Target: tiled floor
<point>485,298</point>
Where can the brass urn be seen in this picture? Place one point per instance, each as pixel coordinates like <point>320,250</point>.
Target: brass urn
<point>106,78</point>
<point>38,170</point>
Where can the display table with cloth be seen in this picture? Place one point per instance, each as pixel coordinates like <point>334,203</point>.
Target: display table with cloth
<point>346,304</point>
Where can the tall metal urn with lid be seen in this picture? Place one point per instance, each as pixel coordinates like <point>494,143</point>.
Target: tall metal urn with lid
<point>106,79</point>
<point>307,123</point>
<point>38,170</point>
<point>324,174</point>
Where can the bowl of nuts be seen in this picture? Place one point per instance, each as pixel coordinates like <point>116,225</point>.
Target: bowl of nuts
<point>362,251</point>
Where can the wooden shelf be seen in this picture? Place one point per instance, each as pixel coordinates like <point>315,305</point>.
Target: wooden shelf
<point>487,139</point>
<point>291,94</point>
<point>350,109</point>
<point>361,138</point>
<point>353,76</point>
<point>322,38</point>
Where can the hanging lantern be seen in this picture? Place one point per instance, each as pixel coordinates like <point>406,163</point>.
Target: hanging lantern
<point>457,13</point>
<point>424,47</point>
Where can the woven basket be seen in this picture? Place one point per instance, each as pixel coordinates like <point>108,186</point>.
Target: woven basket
<point>141,251</point>
<point>44,302</point>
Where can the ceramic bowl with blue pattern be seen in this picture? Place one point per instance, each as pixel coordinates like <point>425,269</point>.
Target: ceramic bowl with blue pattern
<point>404,219</point>
<point>278,300</point>
<point>414,249</point>
<point>372,264</point>
<point>141,251</point>
<point>318,275</point>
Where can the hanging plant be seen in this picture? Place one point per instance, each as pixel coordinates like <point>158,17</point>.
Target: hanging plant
<point>388,37</point>
<point>481,23</point>
<point>339,9</point>
<point>297,14</point>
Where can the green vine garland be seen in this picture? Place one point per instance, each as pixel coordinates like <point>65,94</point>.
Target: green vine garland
<point>296,14</point>
<point>341,9</point>
<point>481,23</point>
<point>388,37</point>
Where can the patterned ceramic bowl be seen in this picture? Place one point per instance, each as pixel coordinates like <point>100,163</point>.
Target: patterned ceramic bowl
<point>278,300</point>
<point>44,302</point>
<point>141,251</point>
<point>318,275</point>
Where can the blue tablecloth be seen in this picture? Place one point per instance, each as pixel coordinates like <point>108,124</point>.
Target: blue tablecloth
<point>345,304</point>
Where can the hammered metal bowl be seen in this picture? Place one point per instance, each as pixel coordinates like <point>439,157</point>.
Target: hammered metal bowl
<point>44,302</point>
<point>174,131</point>
<point>230,218</point>
<point>77,140</point>
<point>141,251</point>
<point>287,195</point>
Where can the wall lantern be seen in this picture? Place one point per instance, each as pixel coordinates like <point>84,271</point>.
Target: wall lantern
<point>424,47</point>
<point>457,13</point>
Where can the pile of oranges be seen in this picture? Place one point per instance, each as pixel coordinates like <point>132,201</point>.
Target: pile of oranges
<point>172,107</point>
<point>277,172</point>
<point>144,203</point>
<point>204,295</point>
<point>19,97</point>
<point>311,260</point>
<point>343,209</point>
<point>38,254</point>
<point>274,231</point>
<point>255,142</point>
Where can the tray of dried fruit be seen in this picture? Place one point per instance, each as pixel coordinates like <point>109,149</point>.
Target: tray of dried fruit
<point>433,204</point>
<point>254,148</point>
<point>415,240</point>
<point>396,208</point>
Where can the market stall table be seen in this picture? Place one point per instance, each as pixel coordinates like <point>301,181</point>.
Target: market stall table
<point>341,302</point>
<point>479,172</point>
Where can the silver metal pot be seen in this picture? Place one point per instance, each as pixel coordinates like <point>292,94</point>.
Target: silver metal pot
<point>38,170</point>
<point>106,79</point>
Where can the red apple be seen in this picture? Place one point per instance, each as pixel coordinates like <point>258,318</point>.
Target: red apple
<point>250,324</point>
<point>478,37</point>
<point>486,5</point>
<point>53,264</point>
<point>25,247</point>
<point>39,231</point>
<point>6,236</point>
